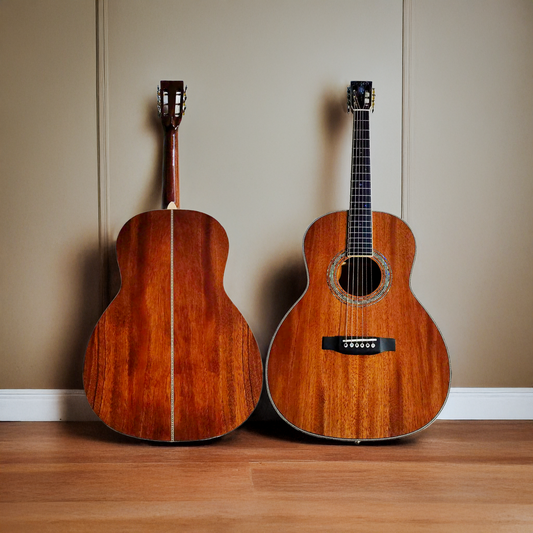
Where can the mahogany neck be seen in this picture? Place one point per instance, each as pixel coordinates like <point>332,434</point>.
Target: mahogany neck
<point>359,230</point>
<point>171,192</point>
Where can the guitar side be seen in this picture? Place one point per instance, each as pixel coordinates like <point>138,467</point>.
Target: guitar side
<point>358,397</point>
<point>172,359</point>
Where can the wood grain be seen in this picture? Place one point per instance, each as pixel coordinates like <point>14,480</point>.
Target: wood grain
<point>472,477</point>
<point>344,396</point>
<point>217,365</point>
<point>171,177</point>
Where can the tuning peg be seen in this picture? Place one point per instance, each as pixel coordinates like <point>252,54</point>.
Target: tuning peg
<point>373,98</point>
<point>158,101</point>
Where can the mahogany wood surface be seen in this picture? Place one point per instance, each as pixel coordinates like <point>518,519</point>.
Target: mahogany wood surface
<point>171,191</point>
<point>343,396</point>
<point>467,477</point>
<point>217,365</point>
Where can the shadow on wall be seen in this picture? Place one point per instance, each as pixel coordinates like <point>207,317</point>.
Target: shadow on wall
<point>88,311</point>
<point>287,280</point>
<point>152,197</point>
<point>334,124</point>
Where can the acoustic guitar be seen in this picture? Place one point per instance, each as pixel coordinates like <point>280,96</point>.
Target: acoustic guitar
<point>357,357</point>
<point>172,359</point>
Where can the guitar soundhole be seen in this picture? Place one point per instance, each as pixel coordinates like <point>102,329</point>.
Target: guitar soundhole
<point>359,276</point>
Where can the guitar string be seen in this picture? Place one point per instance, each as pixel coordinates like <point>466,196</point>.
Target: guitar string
<point>364,284</point>
<point>353,234</point>
<point>355,268</point>
<point>360,232</point>
<point>357,210</point>
<point>358,236</point>
<point>365,228</point>
<point>348,264</point>
<point>369,210</point>
<point>352,264</point>
<point>355,228</point>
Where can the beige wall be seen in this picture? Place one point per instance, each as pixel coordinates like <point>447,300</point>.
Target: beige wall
<point>49,212</point>
<point>265,147</point>
<point>470,182</point>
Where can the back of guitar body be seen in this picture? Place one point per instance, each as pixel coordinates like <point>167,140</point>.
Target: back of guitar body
<point>322,385</point>
<point>172,359</point>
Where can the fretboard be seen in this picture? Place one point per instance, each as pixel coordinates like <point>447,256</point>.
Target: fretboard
<point>359,237</point>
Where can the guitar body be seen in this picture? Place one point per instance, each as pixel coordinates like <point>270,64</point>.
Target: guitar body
<point>172,359</point>
<point>344,396</point>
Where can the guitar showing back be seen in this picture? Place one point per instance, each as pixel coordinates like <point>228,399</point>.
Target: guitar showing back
<point>357,357</point>
<point>172,359</point>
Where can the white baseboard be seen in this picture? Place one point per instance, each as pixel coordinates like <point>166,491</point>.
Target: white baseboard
<point>488,404</point>
<point>44,405</point>
<point>72,405</point>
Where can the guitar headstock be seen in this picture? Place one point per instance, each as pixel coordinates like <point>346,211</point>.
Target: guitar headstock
<point>360,95</point>
<point>171,97</point>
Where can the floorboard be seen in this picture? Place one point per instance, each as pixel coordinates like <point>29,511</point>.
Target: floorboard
<point>468,476</point>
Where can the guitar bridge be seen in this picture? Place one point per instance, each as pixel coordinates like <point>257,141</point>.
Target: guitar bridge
<point>359,345</point>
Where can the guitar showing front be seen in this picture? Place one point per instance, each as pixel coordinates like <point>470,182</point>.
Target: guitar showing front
<point>357,357</point>
<point>172,359</point>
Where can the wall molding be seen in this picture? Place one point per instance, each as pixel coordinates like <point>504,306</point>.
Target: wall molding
<point>25,405</point>
<point>407,38</point>
<point>102,144</point>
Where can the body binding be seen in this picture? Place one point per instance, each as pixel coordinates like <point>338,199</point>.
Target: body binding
<point>358,397</point>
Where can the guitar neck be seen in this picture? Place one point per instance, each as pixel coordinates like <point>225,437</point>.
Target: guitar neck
<point>359,238</point>
<point>171,180</point>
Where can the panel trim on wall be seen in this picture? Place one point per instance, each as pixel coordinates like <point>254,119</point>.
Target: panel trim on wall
<point>406,107</point>
<point>71,405</point>
<point>102,103</point>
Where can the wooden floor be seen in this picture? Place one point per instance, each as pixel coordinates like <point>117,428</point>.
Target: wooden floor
<point>453,477</point>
